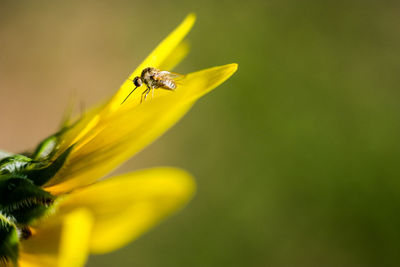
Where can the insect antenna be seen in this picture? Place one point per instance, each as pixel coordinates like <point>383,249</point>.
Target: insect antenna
<point>129,95</point>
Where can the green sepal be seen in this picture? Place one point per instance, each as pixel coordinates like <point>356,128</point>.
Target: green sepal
<point>40,174</point>
<point>46,148</point>
<point>4,154</point>
<point>9,241</point>
<point>21,199</point>
<point>38,171</point>
<point>14,164</point>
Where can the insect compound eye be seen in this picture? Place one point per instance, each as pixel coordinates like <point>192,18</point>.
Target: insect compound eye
<point>137,82</point>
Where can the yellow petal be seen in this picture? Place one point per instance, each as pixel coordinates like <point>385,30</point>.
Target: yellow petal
<point>131,128</point>
<point>31,260</point>
<point>179,53</point>
<point>58,241</point>
<point>126,206</point>
<point>164,50</point>
<point>42,248</point>
<point>79,129</point>
<point>74,246</point>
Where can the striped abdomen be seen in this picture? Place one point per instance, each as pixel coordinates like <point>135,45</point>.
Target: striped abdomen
<point>167,84</point>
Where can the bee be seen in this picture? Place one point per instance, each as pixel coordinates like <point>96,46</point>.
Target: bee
<point>153,79</point>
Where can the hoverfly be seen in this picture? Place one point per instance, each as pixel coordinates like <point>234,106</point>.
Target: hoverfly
<point>153,79</point>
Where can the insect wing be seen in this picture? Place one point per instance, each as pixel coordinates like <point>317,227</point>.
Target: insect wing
<point>171,75</point>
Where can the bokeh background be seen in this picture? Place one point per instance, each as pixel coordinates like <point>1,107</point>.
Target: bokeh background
<point>296,156</point>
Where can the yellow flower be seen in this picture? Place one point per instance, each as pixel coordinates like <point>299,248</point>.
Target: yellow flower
<point>108,214</point>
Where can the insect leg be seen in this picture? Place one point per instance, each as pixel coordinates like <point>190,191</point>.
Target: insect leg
<point>148,91</point>
<point>144,92</point>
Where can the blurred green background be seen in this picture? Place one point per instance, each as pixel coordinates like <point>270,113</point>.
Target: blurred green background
<point>296,156</point>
